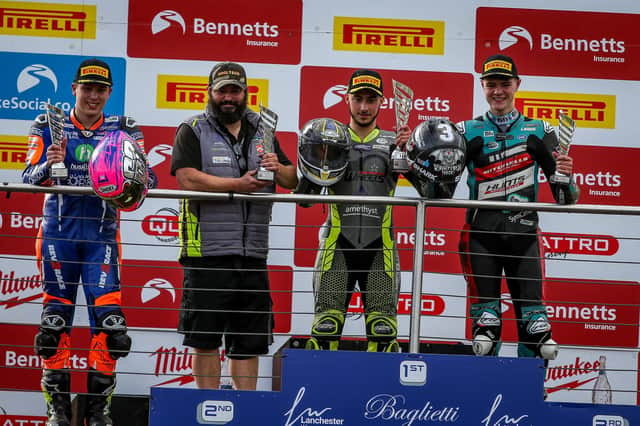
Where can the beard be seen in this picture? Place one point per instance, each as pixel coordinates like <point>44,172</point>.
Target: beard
<point>361,123</point>
<point>228,117</point>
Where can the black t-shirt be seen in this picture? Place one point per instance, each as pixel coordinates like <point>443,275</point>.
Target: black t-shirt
<point>186,146</point>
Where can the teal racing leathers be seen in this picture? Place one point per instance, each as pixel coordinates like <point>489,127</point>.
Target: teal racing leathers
<point>503,163</point>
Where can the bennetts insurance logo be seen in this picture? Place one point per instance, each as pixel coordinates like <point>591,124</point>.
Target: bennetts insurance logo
<point>255,32</point>
<point>584,44</point>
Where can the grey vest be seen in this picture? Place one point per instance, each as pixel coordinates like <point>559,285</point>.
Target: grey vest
<point>219,228</point>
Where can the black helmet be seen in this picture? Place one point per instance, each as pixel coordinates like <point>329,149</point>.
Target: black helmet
<point>436,151</point>
<point>323,150</point>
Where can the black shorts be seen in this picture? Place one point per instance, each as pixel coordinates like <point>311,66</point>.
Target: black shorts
<point>227,296</point>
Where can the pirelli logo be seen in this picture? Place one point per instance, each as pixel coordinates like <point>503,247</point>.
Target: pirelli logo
<point>190,92</point>
<point>48,19</point>
<point>13,152</point>
<point>94,70</point>
<point>388,35</point>
<point>598,111</point>
<point>497,64</point>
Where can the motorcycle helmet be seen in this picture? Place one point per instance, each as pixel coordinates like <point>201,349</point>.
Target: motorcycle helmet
<point>118,171</point>
<point>436,151</point>
<point>323,150</point>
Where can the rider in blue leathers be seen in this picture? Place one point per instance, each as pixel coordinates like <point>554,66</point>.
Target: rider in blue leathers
<point>78,242</point>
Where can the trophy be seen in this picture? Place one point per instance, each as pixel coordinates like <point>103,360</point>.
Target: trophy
<point>55,116</point>
<point>566,128</point>
<point>268,122</point>
<point>403,102</point>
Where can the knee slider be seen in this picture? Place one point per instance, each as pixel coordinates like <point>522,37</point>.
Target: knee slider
<point>46,341</point>
<point>119,345</point>
<point>381,328</point>
<point>118,341</point>
<point>328,325</point>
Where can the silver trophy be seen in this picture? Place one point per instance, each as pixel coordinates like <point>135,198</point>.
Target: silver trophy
<point>566,129</point>
<point>268,123</point>
<point>55,116</point>
<point>403,102</point>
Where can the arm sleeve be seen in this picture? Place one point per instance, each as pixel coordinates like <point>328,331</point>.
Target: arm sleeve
<point>186,150</point>
<point>36,171</point>
<point>305,186</point>
<point>543,153</point>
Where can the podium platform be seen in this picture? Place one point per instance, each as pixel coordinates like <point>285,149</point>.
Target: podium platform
<point>361,388</point>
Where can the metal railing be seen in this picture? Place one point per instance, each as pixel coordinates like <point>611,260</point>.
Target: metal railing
<point>420,205</point>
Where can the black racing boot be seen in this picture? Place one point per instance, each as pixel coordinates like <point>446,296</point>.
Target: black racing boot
<point>100,388</point>
<point>56,386</point>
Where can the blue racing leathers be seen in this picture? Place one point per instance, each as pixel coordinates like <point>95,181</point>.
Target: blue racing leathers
<point>78,242</point>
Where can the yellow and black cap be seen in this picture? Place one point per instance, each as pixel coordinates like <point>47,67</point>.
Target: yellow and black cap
<point>365,79</point>
<point>94,71</point>
<point>499,66</point>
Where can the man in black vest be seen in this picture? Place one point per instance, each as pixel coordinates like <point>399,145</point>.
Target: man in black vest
<point>224,244</point>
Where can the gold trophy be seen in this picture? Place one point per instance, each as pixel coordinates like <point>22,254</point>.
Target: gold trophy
<point>55,117</point>
<point>403,102</point>
<point>566,129</point>
<point>268,123</point>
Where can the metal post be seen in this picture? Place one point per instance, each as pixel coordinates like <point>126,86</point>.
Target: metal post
<point>416,282</point>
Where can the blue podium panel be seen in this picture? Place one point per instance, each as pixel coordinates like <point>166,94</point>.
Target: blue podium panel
<point>184,407</point>
<point>376,388</point>
<point>359,388</point>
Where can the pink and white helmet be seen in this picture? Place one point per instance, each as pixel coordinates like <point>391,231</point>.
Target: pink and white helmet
<point>118,171</point>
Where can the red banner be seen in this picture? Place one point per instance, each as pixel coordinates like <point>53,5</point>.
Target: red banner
<point>583,312</point>
<point>436,94</point>
<point>602,182</point>
<point>22,369</point>
<point>20,218</point>
<point>561,43</point>
<point>255,31</point>
<point>158,142</point>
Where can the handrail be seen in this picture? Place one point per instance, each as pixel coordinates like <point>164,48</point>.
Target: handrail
<point>321,199</point>
<point>420,203</point>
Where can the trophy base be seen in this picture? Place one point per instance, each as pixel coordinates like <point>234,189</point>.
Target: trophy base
<point>400,166</point>
<point>265,175</point>
<point>399,162</point>
<point>560,178</point>
<point>59,172</point>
